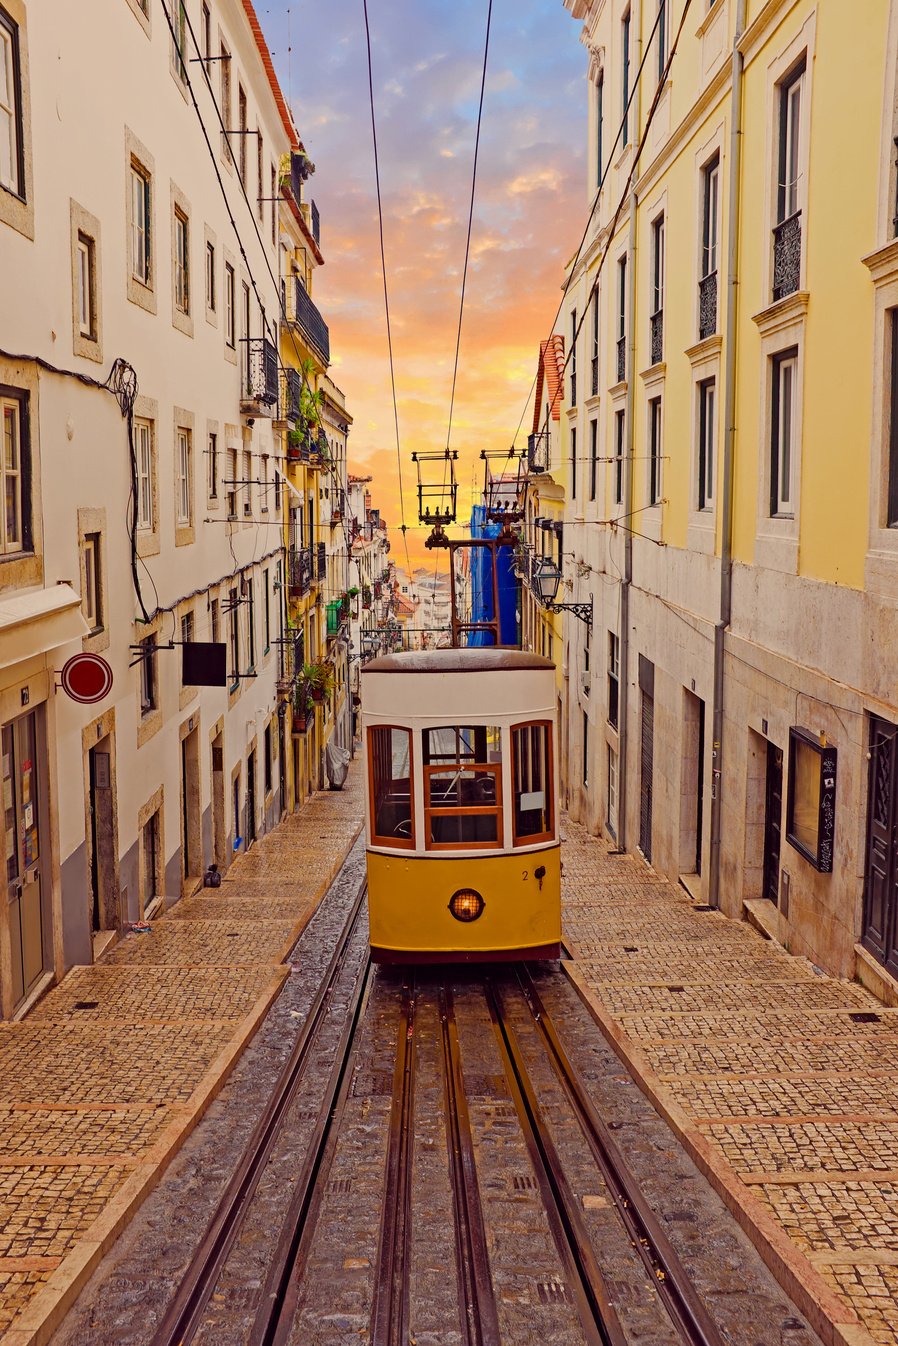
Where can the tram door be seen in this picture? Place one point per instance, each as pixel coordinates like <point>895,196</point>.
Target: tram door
<point>18,742</point>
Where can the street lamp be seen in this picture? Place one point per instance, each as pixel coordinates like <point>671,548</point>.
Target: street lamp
<point>546,579</point>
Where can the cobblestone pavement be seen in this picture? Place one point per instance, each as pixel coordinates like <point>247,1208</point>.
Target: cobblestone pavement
<point>780,1080</point>
<point>103,1081</point>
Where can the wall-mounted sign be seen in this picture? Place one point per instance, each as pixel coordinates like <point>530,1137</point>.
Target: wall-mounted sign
<point>204,664</point>
<point>86,678</point>
<point>811,808</point>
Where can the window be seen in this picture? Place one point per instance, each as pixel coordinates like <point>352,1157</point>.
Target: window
<point>710,211</point>
<point>658,264</point>
<point>260,176</point>
<point>244,336</point>
<point>234,636</point>
<point>266,608</point>
<point>148,675</point>
<point>179,37</point>
<point>707,393</point>
<point>587,652</point>
<point>140,224</point>
<point>224,67</point>
<point>613,678</point>
<point>595,343</point>
<point>149,841</point>
<point>92,602</point>
<point>187,629</point>
<point>782,432</point>
<point>210,277</point>
<point>611,816</point>
<point>531,769</point>
<point>892,501</point>
<point>574,358</point>
<point>86,286</point>
<point>16,518</point>
<point>241,130</point>
<point>212,466</point>
<point>390,767</point>
<point>663,36</point>
<point>182,262</point>
<point>811,803</point>
<point>600,127</point>
<point>593,457</point>
<point>625,76</point>
<point>463,787</point>
<point>214,621</point>
<point>251,623</point>
<point>274,213</point>
<point>585,763</point>
<point>143,453</point>
<point>268,760</point>
<point>184,492</point>
<point>247,483</point>
<point>622,319</point>
<point>11,166</point>
<point>231,484</point>
<point>619,437</point>
<point>790,96</point>
<point>206,28</point>
<point>230,330</point>
<point>573,463</point>
<point>263,482</point>
<point>655,451</point>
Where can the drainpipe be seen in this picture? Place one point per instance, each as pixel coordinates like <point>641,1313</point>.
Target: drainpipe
<point>627,504</point>
<point>726,497</point>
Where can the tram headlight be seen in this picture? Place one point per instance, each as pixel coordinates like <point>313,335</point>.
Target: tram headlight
<point>466,904</point>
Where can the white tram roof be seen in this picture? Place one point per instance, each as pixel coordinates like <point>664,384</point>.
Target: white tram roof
<point>491,697</point>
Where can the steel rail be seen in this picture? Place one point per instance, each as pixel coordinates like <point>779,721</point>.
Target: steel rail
<point>669,1277</point>
<point>478,1312</point>
<point>598,1316</point>
<point>390,1310</point>
<point>184,1313</point>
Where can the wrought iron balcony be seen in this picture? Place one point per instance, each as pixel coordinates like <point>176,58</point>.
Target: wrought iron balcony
<point>621,359</point>
<point>787,256</point>
<point>657,337</point>
<point>573,387</point>
<point>538,451</point>
<point>707,306</point>
<point>595,376</point>
<point>310,321</point>
<point>299,563</point>
<point>321,561</point>
<point>291,389</point>
<point>260,374</point>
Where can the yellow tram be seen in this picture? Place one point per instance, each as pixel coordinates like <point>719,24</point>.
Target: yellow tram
<point>461,810</point>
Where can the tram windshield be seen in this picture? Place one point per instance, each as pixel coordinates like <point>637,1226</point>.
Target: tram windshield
<point>390,777</point>
<point>463,786</point>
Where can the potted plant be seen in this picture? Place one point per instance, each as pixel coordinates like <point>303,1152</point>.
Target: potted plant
<point>302,706</point>
<point>366,595</point>
<point>319,679</point>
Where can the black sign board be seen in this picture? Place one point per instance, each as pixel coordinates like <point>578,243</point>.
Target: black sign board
<point>811,803</point>
<point>204,664</point>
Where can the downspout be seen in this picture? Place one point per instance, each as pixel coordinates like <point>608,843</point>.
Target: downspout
<point>726,498</point>
<point>627,504</point>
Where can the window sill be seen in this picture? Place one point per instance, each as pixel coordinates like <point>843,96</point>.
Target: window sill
<point>147,542</point>
<point>778,550</point>
<point>783,314</point>
<point>148,726</point>
<point>96,641</point>
<point>704,350</point>
<point>141,294</point>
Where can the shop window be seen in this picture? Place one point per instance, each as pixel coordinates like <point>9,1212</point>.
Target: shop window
<point>533,782</point>
<point>463,787</point>
<point>811,807</point>
<point>390,773</point>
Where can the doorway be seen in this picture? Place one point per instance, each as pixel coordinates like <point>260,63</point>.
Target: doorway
<point>250,798</point>
<point>692,785</point>
<point>881,870</point>
<point>219,821</point>
<point>103,869</point>
<point>647,756</point>
<point>23,786</point>
<point>773,823</point>
<point>191,823</point>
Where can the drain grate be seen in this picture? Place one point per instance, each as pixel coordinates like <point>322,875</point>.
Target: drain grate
<point>341,1186</point>
<point>865,1017</point>
<point>702,906</point>
<point>676,988</point>
<point>551,1292</point>
<point>522,1183</point>
<point>86,1004</point>
<point>630,948</point>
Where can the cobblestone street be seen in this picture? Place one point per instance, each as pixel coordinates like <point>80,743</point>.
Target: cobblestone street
<point>779,1080</point>
<point>102,1083</point>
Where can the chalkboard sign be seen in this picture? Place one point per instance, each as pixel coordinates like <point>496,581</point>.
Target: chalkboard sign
<point>811,806</point>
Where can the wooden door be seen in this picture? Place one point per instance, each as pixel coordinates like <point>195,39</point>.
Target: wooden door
<point>880,892</point>
<point>647,775</point>
<point>773,822</point>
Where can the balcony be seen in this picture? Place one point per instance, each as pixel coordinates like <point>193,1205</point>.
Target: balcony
<point>311,323</point>
<point>334,617</point>
<point>299,564</point>
<point>621,359</point>
<point>595,376</point>
<point>787,256</point>
<point>321,561</point>
<point>707,306</point>
<point>573,387</point>
<point>338,506</point>
<point>538,451</point>
<point>291,389</point>
<point>259,395</point>
<point>657,337</point>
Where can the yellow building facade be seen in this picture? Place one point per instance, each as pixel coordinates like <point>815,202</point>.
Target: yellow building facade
<point>737,721</point>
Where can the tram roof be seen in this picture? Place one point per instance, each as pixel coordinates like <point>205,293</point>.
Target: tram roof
<point>480,659</point>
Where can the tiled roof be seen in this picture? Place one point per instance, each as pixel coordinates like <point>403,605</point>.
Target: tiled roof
<point>550,373</point>
<point>292,134</point>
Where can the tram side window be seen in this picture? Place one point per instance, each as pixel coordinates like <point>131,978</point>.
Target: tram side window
<point>463,787</point>
<point>532,775</point>
<point>390,775</point>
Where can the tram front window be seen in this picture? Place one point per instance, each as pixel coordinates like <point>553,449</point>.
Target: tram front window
<point>463,786</point>
<point>390,773</point>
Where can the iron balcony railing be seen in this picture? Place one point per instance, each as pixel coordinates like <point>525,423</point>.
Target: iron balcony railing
<point>321,561</point>
<point>291,390</point>
<point>316,223</point>
<point>595,376</point>
<point>657,337</point>
<point>260,372</point>
<point>707,306</point>
<point>310,320</point>
<point>573,387</point>
<point>621,359</point>
<point>787,256</point>
<point>299,561</point>
<point>538,451</point>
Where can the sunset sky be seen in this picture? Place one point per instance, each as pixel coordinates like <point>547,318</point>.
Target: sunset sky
<point>529,212</point>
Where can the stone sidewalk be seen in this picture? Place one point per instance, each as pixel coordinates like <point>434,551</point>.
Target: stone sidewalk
<point>780,1081</point>
<point>105,1079</point>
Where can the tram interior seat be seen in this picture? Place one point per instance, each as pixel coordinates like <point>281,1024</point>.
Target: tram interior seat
<point>393,813</point>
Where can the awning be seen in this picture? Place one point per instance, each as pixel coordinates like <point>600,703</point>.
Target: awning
<point>35,622</point>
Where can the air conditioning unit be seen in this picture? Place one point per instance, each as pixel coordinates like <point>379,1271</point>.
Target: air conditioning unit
<point>584,682</point>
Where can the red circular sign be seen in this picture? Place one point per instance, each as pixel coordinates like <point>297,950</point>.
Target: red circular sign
<point>86,678</point>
